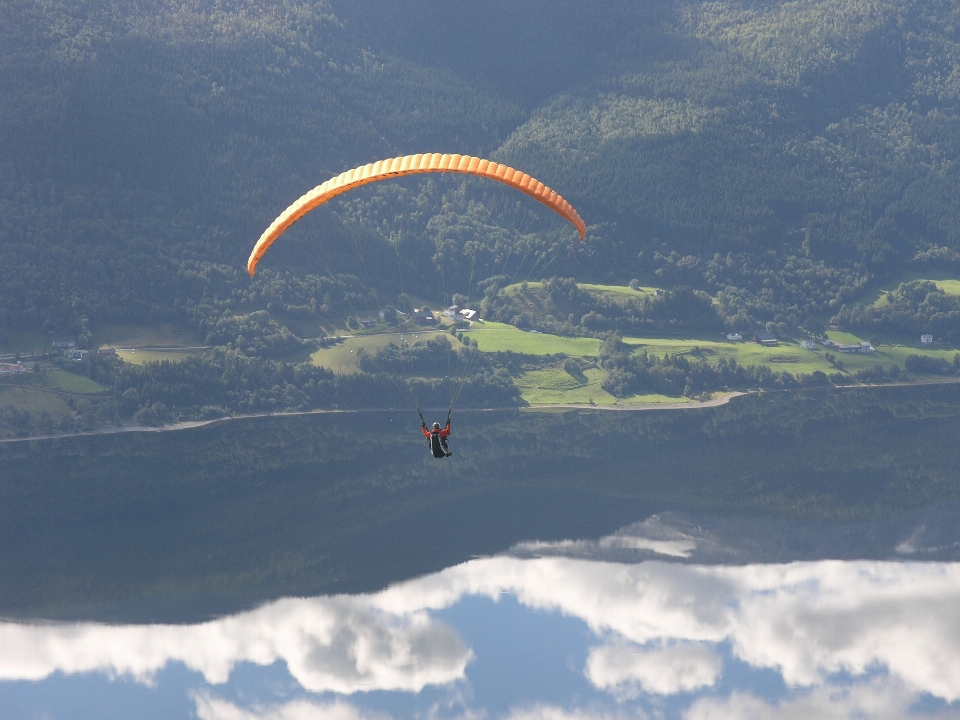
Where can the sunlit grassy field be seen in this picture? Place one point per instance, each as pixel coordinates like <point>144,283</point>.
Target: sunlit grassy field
<point>950,285</point>
<point>73,383</point>
<point>499,337</point>
<point>555,386</point>
<point>139,357</point>
<point>619,289</point>
<point>32,399</point>
<point>342,358</point>
<point>616,289</point>
<point>788,355</point>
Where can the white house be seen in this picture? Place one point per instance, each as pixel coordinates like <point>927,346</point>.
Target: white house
<point>468,314</point>
<point>64,343</point>
<point>734,337</point>
<point>808,345</point>
<point>926,339</point>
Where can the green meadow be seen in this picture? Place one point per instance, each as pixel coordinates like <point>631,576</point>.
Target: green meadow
<point>619,289</point>
<point>555,386</point>
<point>949,284</point>
<point>342,357</point>
<point>32,399</point>
<point>140,356</point>
<point>500,337</point>
<point>71,383</point>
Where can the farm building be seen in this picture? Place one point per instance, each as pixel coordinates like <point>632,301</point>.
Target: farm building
<point>765,338</point>
<point>861,347</point>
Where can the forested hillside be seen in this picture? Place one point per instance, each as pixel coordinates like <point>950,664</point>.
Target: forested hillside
<point>781,154</point>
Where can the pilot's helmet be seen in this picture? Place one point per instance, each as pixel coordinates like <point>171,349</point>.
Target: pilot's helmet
<point>436,426</point>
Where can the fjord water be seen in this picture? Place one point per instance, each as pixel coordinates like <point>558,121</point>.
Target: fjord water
<point>782,553</point>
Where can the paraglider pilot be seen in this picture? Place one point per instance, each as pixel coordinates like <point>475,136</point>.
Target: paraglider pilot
<point>437,437</point>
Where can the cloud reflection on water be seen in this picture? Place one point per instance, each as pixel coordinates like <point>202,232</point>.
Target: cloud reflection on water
<point>339,644</point>
<point>892,629</point>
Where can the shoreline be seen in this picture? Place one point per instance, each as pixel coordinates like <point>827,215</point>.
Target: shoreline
<point>194,424</point>
<point>711,403</point>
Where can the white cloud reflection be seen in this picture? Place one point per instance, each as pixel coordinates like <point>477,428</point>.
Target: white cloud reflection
<point>552,712</point>
<point>338,644</point>
<point>656,624</point>
<point>627,669</point>
<point>878,699</point>
<point>209,707</point>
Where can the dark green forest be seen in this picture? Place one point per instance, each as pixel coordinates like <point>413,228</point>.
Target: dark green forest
<point>779,157</point>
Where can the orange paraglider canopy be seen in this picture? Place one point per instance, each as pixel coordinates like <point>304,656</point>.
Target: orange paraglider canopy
<point>410,165</point>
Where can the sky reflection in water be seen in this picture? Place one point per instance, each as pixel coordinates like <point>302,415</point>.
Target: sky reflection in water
<point>530,635</point>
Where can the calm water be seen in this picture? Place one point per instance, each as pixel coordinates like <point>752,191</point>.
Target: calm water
<point>783,556</point>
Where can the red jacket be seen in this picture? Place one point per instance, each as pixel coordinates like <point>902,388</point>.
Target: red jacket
<point>442,433</point>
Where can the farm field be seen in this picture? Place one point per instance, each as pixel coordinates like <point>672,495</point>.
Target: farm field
<point>555,386</point>
<point>619,289</point>
<point>787,356</point>
<point>594,287</point>
<point>500,337</point>
<point>140,356</point>
<point>950,285</point>
<point>33,400</point>
<point>342,358</point>
<point>73,383</point>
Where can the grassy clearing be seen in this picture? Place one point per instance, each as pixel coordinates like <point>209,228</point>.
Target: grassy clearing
<point>141,336</point>
<point>73,383</point>
<point>140,357</point>
<point>309,325</point>
<point>949,284</point>
<point>619,289</point>
<point>555,386</point>
<point>33,400</point>
<point>342,358</point>
<point>614,289</point>
<point>788,356</point>
<point>498,337</point>
<point>950,287</point>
